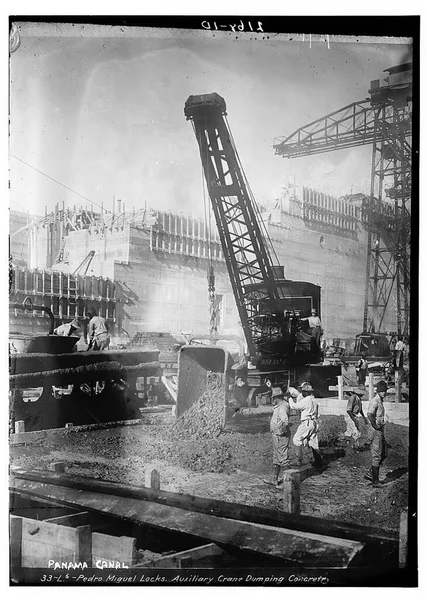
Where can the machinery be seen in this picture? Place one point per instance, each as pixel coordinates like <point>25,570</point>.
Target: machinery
<point>273,310</point>
<point>383,121</point>
<point>52,386</point>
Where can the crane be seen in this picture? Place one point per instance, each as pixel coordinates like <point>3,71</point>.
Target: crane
<point>383,121</point>
<point>270,307</point>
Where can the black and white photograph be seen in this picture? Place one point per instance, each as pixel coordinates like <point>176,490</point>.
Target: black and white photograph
<point>213,301</point>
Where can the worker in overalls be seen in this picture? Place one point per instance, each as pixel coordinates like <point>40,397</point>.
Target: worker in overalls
<point>280,435</point>
<point>306,434</point>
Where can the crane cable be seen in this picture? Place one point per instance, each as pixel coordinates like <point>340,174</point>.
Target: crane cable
<point>208,232</point>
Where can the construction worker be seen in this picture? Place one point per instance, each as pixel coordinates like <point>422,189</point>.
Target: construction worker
<point>376,417</point>
<point>354,418</point>
<point>306,434</point>
<point>399,353</point>
<point>361,369</point>
<point>315,325</point>
<point>280,434</point>
<point>67,329</point>
<point>98,337</point>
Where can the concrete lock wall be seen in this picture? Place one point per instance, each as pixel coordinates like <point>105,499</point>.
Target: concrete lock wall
<point>397,413</point>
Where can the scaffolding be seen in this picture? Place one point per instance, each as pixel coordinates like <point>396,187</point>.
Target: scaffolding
<point>383,121</point>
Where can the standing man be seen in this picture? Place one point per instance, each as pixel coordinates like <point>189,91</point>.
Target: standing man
<point>398,353</point>
<point>315,325</point>
<point>306,434</point>
<point>376,416</point>
<point>354,417</point>
<point>98,337</point>
<point>281,434</point>
<point>361,369</point>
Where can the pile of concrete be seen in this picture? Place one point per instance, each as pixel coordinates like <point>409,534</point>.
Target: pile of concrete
<point>204,418</point>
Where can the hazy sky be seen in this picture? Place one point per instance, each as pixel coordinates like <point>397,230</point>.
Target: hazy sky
<point>101,111</point>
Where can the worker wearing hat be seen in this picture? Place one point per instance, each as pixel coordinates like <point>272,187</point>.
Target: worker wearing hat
<point>377,417</point>
<point>306,434</point>
<point>281,435</point>
<point>67,329</point>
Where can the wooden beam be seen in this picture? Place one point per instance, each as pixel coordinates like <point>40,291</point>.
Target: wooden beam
<point>112,548</point>
<point>293,547</point>
<point>185,559</point>
<point>38,362</point>
<point>95,372</point>
<point>212,506</point>
<point>78,519</point>
<point>42,542</point>
<point>403,539</point>
<point>15,545</point>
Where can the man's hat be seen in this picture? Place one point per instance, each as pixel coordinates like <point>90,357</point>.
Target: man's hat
<point>381,386</point>
<point>75,323</point>
<point>306,387</point>
<point>276,392</point>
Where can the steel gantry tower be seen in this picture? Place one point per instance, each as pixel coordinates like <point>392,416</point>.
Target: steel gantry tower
<point>384,121</point>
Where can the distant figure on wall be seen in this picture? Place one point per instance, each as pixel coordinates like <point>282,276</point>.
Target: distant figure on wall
<point>98,337</point>
<point>315,325</point>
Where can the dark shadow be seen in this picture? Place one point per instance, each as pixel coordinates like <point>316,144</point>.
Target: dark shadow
<point>328,457</point>
<point>249,423</point>
<point>395,474</point>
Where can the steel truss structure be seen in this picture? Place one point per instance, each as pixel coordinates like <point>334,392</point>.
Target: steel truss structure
<point>384,121</point>
<point>247,256</point>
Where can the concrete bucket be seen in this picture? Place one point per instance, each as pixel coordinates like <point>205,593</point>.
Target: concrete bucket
<point>194,365</point>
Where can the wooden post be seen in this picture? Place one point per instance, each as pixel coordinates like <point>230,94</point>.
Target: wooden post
<point>403,539</point>
<point>340,387</point>
<point>15,545</point>
<point>84,544</point>
<point>19,426</point>
<point>398,385</point>
<point>152,479</point>
<point>371,386</point>
<point>291,491</point>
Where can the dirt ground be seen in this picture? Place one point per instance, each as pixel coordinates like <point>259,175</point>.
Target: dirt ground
<point>231,465</point>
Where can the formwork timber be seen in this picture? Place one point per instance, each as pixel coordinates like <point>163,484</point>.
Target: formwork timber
<point>291,546</point>
<point>83,493</point>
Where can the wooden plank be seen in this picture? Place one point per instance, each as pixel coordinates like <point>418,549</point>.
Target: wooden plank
<point>15,545</point>
<point>403,539</point>
<point>42,542</point>
<point>213,506</point>
<point>182,559</point>
<point>294,547</point>
<point>35,362</point>
<point>78,519</point>
<point>111,548</point>
<point>84,543</point>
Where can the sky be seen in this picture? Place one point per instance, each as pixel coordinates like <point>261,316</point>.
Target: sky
<point>100,111</point>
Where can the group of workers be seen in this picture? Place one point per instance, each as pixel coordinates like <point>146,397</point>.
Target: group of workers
<point>306,435</point>
<point>98,337</point>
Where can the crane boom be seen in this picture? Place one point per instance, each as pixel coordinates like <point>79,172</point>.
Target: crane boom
<point>268,304</point>
<point>352,125</point>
